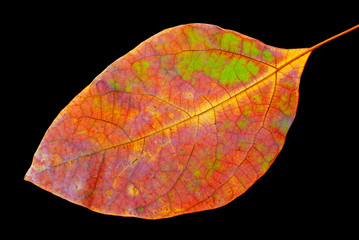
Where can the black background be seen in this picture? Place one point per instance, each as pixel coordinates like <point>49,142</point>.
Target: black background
<point>309,189</point>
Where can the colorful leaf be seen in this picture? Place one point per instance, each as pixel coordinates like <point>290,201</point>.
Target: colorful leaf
<point>185,122</point>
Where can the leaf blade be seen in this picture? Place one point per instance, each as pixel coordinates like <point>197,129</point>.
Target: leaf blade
<point>196,144</point>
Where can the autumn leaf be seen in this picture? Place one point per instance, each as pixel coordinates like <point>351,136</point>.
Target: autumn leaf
<point>185,122</point>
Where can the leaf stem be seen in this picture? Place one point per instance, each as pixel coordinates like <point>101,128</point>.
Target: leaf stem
<point>334,37</point>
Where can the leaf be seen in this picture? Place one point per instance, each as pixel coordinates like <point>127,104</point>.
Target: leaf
<point>185,122</point>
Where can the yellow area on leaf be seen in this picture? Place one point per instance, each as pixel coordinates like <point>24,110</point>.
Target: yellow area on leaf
<point>132,190</point>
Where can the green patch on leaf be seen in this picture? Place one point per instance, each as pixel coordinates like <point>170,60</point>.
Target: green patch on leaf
<point>113,84</point>
<point>250,48</point>
<point>227,68</point>
<point>197,173</point>
<point>242,71</point>
<point>230,42</point>
<point>243,123</point>
<point>267,56</point>
<point>252,68</point>
<point>128,88</point>
<point>140,67</point>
